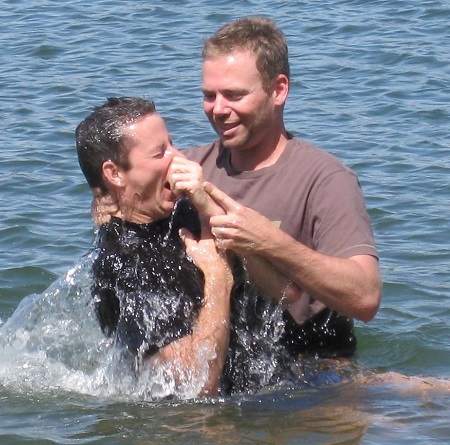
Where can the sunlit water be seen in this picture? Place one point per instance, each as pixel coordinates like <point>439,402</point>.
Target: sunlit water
<point>370,84</point>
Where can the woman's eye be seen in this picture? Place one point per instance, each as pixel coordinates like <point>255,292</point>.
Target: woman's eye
<point>159,154</point>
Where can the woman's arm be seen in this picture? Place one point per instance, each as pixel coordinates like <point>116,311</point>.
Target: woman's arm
<point>186,357</point>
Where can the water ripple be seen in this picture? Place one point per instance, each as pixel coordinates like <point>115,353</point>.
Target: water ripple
<point>370,83</point>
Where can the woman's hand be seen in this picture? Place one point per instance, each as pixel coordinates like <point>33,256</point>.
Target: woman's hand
<point>212,263</point>
<point>186,357</point>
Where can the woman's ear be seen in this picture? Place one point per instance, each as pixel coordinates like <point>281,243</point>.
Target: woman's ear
<point>112,174</point>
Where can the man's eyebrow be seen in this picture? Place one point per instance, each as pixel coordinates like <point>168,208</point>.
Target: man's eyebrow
<point>226,91</point>
<point>235,90</point>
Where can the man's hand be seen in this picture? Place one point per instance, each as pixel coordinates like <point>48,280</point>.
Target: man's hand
<point>186,178</point>
<point>241,229</point>
<point>103,207</point>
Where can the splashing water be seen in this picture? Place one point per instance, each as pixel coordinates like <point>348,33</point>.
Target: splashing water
<point>172,220</point>
<point>52,342</point>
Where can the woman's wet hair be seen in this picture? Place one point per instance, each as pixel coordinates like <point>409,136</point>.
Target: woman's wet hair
<point>100,136</point>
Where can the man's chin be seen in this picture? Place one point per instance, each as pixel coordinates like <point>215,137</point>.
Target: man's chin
<point>233,144</point>
<point>229,141</point>
<point>237,141</point>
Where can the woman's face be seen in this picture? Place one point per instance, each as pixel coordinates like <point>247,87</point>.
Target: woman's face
<point>145,190</point>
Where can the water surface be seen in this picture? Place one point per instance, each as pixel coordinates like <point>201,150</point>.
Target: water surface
<point>370,83</point>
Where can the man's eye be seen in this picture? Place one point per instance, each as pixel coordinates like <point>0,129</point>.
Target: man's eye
<point>209,96</point>
<point>234,96</point>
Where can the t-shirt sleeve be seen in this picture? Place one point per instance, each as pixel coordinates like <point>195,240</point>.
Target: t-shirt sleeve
<point>340,220</point>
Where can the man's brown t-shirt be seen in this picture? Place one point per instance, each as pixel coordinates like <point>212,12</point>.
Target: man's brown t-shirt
<point>308,193</point>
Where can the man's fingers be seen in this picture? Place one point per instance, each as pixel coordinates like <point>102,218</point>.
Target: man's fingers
<point>222,221</point>
<point>221,198</point>
<point>183,164</point>
<point>187,237</point>
<point>180,157</point>
<point>222,245</point>
<point>222,232</point>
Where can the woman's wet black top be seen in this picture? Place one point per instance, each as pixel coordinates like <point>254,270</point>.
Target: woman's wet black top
<point>147,291</point>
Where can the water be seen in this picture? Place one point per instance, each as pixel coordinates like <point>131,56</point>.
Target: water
<point>370,84</point>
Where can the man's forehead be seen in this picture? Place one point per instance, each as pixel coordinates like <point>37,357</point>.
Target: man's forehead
<point>232,56</point>
<point>236,67</point>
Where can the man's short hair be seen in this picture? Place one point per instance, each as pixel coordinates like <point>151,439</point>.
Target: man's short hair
<point>100,137</point>
<point>258,35</point>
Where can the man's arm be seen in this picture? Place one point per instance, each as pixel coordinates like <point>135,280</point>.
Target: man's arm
<point>350,286</point>
<point>186,177</point>
<point>271,282</point>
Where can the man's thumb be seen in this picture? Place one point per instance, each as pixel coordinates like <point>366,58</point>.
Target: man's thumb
<point>186,236</point>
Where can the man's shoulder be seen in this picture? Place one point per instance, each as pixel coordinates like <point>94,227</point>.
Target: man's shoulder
<point>309,150</point>
<point>314,158</point>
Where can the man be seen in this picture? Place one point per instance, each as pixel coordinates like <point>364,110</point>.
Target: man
<point>289,206</point>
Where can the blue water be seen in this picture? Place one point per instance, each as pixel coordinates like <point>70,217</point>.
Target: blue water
<point>370,83</point>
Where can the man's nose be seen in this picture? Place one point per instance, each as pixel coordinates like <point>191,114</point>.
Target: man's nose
<point>221,106</point>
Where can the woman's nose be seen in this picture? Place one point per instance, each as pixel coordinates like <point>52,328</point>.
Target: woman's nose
<point>172,151</point>
<point>169,153</point>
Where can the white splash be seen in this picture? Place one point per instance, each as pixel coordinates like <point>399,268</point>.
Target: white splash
<point>53,342</point>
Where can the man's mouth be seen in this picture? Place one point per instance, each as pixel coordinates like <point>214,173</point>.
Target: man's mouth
<point>227,129</point>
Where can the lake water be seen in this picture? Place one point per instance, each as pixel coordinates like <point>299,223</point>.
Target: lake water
<point>370,83</point>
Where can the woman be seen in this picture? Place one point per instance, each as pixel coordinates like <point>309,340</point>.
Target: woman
<point>164,309</point>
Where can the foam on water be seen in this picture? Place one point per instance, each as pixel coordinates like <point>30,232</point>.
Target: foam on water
<point>53,342</point>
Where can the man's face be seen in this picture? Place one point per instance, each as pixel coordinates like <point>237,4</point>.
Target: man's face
<point>150,152</point>
<point>238,107</point>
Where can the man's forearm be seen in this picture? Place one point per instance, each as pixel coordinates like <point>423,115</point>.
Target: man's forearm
<point>272,282</point>
<point>350,286</point>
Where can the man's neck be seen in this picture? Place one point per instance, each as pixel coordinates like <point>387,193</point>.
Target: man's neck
<point>256,158</point>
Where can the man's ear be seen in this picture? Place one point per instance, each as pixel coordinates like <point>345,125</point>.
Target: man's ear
<point>112,174</point>
<point>281,89</point>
